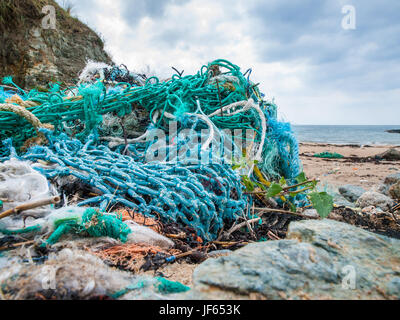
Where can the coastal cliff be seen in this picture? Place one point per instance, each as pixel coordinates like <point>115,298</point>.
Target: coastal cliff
<point>35,56</point>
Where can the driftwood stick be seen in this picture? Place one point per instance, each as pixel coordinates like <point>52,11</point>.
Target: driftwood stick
<point>181,235</point>
<point>228,244</point>
<point>263,210</point>
<point>29,206</point>
<point>16,245</point>
<point>240,225</point>
<point>286,189</point>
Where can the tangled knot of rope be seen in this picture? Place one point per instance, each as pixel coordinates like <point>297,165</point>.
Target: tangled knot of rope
<point>32,119</point>
<point>95,223</point>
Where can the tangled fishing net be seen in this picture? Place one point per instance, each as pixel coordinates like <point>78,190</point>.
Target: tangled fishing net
<point>196,195</point>
<point>130,256</point>
<point>180,169</point>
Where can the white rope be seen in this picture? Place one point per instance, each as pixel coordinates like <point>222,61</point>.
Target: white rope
<point>232,109</point>
<point>246,105</point>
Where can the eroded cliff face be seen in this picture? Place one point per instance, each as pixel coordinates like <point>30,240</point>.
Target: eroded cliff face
<point>35,56</point>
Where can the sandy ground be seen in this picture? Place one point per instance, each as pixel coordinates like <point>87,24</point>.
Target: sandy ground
<point>338,172</point>
<point>181,272</point>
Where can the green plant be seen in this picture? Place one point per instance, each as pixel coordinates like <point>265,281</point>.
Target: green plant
<point>242,163</point>
<point>321,201</point>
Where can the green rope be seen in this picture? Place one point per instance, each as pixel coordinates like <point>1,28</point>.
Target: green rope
<point>99,225</point>
<point>9,232</point>
<point>161,285</point>
<point>62,229</point>
<point>176,96</point>
<point>328,155</point>
<point>129,288</point>
<point>166,286</point>
<point>94,223</point>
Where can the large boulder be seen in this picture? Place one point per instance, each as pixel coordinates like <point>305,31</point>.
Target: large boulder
<point>351,192</point>
<point>391,155</point>
<point>375,199</point>
<point>321,259</point>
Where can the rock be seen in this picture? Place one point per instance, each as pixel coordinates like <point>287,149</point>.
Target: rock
<point>393,131</point>
<point>351,192</point>
<point>37,56</point>
<point>394,191</point>
<point>381,188</point>
<point>341,201</point>
<point>219,253</point>
<point>311,213</point>
<point>375,199</point>
<point>391,155</point>
<point>392,179</point>
<point>321,259</point>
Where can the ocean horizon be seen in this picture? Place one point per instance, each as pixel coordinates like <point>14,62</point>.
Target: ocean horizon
<point>348,134</point>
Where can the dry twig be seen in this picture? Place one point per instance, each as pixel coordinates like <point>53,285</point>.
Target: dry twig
<point>29,206</point>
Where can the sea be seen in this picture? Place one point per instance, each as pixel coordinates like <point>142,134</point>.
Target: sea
<point>359,135</point>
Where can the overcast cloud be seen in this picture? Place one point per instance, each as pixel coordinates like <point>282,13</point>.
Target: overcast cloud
<point>317,72</point>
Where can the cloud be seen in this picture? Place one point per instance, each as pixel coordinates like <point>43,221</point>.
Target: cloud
<point>309,32</point>
<point>135,10</point>
<point>317,71</point>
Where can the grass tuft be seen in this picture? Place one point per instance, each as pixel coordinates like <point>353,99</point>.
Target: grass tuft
<point>68,6</point>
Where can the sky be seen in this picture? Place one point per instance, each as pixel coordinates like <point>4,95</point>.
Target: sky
<point>322,65</point>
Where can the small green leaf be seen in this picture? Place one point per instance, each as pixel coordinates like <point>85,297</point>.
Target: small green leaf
<point>293,207</point>
<point>293,194</point>
<point>301,178</point>
<point>236,167</point>
<point>322,202</point>
<point>274,190</point>
<point>282,182</point>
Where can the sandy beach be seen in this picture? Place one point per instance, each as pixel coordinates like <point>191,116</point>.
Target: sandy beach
<point>353,169</point>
